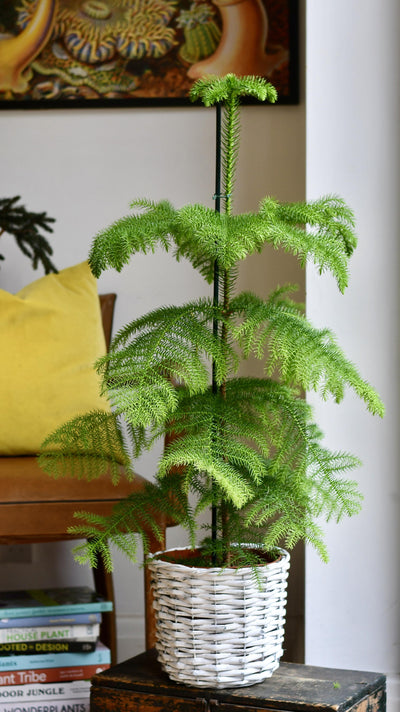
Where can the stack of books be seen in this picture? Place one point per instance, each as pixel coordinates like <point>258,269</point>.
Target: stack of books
<point>50,648</point>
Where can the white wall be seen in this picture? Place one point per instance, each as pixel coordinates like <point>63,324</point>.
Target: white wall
<point>83,168</point>
<point>353,141</point>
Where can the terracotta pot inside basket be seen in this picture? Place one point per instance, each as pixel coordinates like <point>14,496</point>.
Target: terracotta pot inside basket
<point>195,557</point>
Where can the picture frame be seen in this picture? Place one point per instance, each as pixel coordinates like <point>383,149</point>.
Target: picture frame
<point>104,53</point>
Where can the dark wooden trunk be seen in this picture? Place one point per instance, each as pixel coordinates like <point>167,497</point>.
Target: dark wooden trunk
<point>139,685</point>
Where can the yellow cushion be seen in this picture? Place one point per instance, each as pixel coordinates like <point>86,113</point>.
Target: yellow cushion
<point>51,334</point>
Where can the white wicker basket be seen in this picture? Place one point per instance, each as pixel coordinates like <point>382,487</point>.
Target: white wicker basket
<point>218,627</point>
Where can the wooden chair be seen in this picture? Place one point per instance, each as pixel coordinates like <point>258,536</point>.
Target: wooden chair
<point>37,508</point>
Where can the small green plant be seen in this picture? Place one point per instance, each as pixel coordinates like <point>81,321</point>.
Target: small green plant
<point>246,448</point>
<point>26,227</point>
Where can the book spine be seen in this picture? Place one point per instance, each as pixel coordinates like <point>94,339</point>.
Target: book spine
<point>35,647</point>
<point>51,632</point>
<point>34,692</point>
<point>49,675</point>
<point>82,705</point>
<point>27,622</point>
<point>100,656</point>
<point>69,608</point>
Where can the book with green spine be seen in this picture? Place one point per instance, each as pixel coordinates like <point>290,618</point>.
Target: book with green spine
<point>36,647</point>
<point>53,601</point>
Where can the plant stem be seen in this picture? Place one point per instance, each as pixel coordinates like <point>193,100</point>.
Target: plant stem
<point>229,158</point>
<point>217,198</point>
<point>229,169</point>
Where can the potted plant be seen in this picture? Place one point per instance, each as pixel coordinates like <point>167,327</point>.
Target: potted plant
<point>244,448</point>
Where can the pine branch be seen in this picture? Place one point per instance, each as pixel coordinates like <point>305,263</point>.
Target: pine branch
<point>216,90</point>
<point>150,400</point>
<point>204,236</point>
<point>326,213</point>
<point>276,331</point>
<point>169,344</point>
<point>174,340</point>
<point>251,410</point>
<point>329,243</point>
<point>228,438</point>
<point>134,517</point>
<point>26,227</point>
<point>87,447</point>
<point>143,232</point>
<point>196,452</point>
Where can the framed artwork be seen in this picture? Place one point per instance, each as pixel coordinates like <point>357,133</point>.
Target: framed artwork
<point>69,53</point>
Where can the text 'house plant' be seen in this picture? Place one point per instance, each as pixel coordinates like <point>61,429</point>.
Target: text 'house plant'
<point>244,448</point>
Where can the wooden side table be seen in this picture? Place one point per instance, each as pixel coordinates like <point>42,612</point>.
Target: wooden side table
<point>139,685</point>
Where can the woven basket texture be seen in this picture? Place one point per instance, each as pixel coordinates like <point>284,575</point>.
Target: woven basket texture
<point>219,627</point>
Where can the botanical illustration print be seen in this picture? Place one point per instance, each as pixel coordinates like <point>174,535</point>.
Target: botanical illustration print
<point>137,49</point>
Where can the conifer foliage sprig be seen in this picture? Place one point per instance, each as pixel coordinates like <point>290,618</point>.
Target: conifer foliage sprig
<point>27,228</point>
<point>316,363</point>
<point>246,447</point>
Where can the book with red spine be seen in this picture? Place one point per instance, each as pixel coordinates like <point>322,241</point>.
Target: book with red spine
<point>49,675</point>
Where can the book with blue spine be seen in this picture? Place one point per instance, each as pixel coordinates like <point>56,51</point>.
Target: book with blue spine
<point>51,620</point>
<point>52,601</point>
<point>100,656</point>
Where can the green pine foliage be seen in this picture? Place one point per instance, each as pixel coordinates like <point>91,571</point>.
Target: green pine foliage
<point>317,363</point>
<point>247,447</point>
<point>88,446</point>
<point>27,228</point>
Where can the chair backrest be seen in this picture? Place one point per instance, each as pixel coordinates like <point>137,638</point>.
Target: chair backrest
<point>107,303</point>
<point>37,508</point>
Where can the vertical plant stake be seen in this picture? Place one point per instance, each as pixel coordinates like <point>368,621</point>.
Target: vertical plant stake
<point>229,139</point>
<point>246,447</point>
